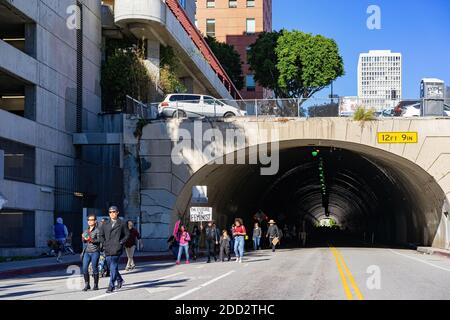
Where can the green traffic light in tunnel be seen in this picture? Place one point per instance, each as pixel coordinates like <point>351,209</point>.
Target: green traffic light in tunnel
<point>315,153</point>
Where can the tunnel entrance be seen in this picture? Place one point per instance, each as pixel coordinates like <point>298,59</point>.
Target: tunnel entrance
<point>369,193</point>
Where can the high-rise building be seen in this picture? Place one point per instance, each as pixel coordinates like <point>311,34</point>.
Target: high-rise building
<point>237,22</point>
<point>380,79</point>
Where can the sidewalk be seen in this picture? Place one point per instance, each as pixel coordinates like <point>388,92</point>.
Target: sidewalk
<point>436,251</point>
<point>26,267</point>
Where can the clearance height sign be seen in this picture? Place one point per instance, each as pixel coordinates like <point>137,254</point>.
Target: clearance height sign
<point>397,137</point>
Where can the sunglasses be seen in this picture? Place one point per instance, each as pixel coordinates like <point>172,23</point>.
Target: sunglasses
<point>92,219</point>
<point>112,211</point>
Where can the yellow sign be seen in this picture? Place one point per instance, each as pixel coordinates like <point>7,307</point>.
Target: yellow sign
<point>398,137</point>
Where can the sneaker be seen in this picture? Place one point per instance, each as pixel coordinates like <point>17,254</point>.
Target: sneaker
<point>177,263</point>
<point>110,290</point>
<point>237,259</point>
<point>119,284</point>
<point>187,262</point>
<point>240,260</point>
<point>209,261</point>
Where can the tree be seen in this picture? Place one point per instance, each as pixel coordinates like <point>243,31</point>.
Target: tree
<point>263,62</point>
<point>295,64</point>
<point>230,60</point>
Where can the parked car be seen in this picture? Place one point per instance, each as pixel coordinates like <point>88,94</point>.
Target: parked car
<point>411,111</point>
<point>195,105</point>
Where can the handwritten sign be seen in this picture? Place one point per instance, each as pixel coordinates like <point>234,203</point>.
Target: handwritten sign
<point>397,137</point>
<point>201,214</point>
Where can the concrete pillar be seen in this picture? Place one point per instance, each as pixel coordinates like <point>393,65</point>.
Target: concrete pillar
<point>188,82</point>
<point>153,58</point>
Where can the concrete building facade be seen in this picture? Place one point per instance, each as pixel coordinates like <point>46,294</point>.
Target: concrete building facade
<point>49,88</point>
<point>380,79</point>
<point>237,22</point>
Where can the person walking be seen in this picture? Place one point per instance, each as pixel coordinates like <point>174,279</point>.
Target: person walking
<point>195,242</point>
<point>273,233</point>
<point>232,239</point>
<point>91,252</point>
<point>113,235</point>
<point>212,239</point>
<point>131,244</point>
<point>239,239</point>
<point>61,234</point>
<point>257,233</point>
<point>224,246</point>
<point>183,239</point>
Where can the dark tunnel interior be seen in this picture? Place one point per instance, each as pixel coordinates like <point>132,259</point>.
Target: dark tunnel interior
<point>367,193</point>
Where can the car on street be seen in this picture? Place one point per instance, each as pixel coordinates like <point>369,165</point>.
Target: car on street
<point>185,105</point>
<point>411,111</point>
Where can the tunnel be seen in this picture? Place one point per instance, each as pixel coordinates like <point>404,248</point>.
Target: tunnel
<point>370,193</point>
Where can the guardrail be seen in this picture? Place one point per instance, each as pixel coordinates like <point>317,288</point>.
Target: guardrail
<point>303,108</point>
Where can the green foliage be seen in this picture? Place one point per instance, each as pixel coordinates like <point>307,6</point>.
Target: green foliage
<point>361,114</point>
<point>263,62</point>
<point>229,59</point>
<point>124,73</point>
<point>295,64</point>
<point>169,64</point>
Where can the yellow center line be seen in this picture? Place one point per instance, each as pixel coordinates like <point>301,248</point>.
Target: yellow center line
<point>348,293</point>
<point>340,261</point>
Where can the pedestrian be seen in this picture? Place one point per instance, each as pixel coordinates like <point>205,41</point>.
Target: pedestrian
<point>257,233</point>
<point>212,238</point>
<point>131,244</point>
<point>195,242</point>
<point>273,233</point>
<point>91,252</point>
<point>114,234</point>
<point>224,246</point>
<point>239,239</point>
<point>61,234</point>
<point>232,239</point>
<point>183,239</point>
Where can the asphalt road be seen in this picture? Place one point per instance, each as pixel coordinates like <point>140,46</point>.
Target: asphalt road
<point>313,273</point>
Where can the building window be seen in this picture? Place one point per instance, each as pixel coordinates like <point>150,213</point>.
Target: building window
<point>251,26</point>
<point>17,229</point>
<point>211,27</point>
<point>250,3</point>
<point>247,50</point>
<point>250,82</point>
<point>183,4</point>
<point>19,161</point>
<point>232,3</point>
<point>210,3</point>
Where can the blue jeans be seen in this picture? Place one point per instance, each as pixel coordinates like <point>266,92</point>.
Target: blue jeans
<point>239,242</point>
<point>256,242</point>
<point>232,244</point>
<point>88,258</point>
<point>113,264</point>
<point>184,247</point>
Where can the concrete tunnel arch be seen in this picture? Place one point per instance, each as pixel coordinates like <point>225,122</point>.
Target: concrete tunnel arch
<point>370,190</point>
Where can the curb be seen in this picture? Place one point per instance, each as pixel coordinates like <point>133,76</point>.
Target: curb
<point>61,266</point>
<point>434,251</point>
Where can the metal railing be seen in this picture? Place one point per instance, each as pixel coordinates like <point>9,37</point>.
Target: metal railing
<point>304,108</point>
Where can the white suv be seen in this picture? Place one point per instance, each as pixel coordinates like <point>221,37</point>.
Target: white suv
<point>196,105</point>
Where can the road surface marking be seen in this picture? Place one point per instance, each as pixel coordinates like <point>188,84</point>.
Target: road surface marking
<point>350,276</point>
<point>133,286</point>
<point>420,260</point>
<point>348,293</point>
<point>202,286</point>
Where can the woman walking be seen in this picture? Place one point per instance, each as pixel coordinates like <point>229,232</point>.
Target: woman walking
<point>224,246</point>
<point>183,238</point>
<point>239,239</point>
<point>257,233</point>
<point>91,253</point>
<point>131,245</point>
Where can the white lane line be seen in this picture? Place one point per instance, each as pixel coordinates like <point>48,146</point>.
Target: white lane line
<point>420,260</point>
<point>133,286</point>
<point>202,286</point>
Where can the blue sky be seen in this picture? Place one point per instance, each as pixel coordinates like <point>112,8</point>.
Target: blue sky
<point>419,29</point>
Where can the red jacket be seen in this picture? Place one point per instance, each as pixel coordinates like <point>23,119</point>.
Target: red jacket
<point>132,239</point>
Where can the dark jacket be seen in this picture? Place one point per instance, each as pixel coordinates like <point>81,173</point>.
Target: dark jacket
<point>93,244</point>
<point>212,234</point>
<point>273,231</point>
<point>132,239</point>
<point>113,239</point>
<point>257,233</point>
